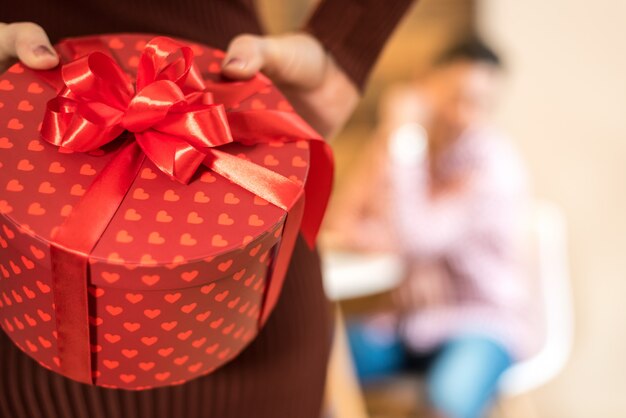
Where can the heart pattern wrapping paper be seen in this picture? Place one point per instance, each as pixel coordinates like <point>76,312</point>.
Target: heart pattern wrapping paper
<point>177,280</point>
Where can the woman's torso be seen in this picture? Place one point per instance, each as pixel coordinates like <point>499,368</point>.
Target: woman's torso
<point>213,22</point>
<point>282,372</point>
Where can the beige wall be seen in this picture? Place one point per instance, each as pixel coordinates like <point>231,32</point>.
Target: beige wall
<point>566,106</point>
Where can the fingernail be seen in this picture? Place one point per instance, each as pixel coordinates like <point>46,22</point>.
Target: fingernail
<point>41,51</point>
<point>235,62</point>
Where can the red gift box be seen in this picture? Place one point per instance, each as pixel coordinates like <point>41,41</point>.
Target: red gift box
<point>133,255</point>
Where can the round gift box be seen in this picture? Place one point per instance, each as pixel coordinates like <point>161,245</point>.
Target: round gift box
<point>177,281</point>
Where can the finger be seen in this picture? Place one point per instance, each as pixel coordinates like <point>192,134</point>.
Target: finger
<point>294,59</point>
<point>245,57</point>
<point>29,43</point>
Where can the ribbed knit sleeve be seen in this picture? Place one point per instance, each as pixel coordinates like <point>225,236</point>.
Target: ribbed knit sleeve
<point>355,31</point>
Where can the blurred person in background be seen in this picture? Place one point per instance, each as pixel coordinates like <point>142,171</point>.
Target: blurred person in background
<point>445,190</point>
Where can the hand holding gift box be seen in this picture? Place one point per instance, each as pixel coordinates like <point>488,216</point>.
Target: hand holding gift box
<point>149,247</point>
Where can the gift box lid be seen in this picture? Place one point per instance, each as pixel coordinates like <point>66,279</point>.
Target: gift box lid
<point>202,230</point>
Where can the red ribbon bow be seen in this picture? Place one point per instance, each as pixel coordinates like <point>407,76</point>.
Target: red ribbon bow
<point>170,112</point>
<point>176,123</point>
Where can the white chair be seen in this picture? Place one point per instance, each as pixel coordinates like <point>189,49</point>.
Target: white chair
<point>549,236</point>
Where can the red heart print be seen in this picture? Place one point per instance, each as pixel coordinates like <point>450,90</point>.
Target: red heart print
<point>149,340</point>
<point>132,215</point>
<point>179,361</point>
<point>164,352</point>
<point>127,378</point>
<point>150,280</point>
<point>152,313</point>
<point>231,199</point>
<point>44,315</point>
<point>56,168</point>
<point>110,277</point>
<point>189,307</point>
<point>114,310</point>
<point>25,106</point>
<point>270,160</point>
<point>207,177</point>
<point>237,276</point>
<point>162,376</point>
<point>146,365</point>
<point>15,124</point>
<point>224,265</point>
<point>140,194</point>
<point>44,288</point>
<point>163,217</point>
<point>189,275</point>
<point>194,218</point>
<point>5,207</point>
<point>155,238</point>
<point>260,201</point>
<point>34,88</point>
<point>218,241</point>
<point>206,289</point>
<point>203,316</point>
<point>129,353</point>
<point>224,219</point>
<point>14,186</point>
<point>168,326</point>
<point>221,296</point>
<point>187,240</point>
<point>111,364</point>
<point>132,326</point>
<point>77,190</point>
<point>134,297</point>
<point>87,170</point>
<point>200,197</point>
<point>172,297</point>
<point>216,324</point>
<point>33,145</point>
<point>6,85</point>
<point>36,209</point>
<point>298,161</point>
<point>170,196</point>
<point>148,174</point>
<point>116,43</point>
<point>254,220</point>
<point>5,143</point>
<point>123,236</point>
<point>46,188</point>
<point>96,321</point>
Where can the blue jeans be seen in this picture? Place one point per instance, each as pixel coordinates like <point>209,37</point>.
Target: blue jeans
<point>461,376</point>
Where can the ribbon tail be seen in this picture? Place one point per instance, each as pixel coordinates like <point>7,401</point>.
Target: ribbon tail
<point>279,191</point>
<point>70,258</point>
<point>280,265</point>
<point>231,92</point>
<point>317,189</point>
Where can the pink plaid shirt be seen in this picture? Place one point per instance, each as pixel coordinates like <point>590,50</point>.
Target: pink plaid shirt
<point>474,237</point>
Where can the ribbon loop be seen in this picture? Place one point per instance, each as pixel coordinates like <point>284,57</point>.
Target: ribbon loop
<point>159,61</point>
<point>97,77</point>
<point>151,105</point>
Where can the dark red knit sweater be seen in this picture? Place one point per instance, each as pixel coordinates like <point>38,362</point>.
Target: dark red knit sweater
<point>282,373</point>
